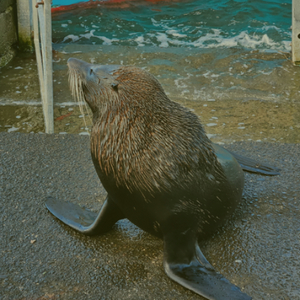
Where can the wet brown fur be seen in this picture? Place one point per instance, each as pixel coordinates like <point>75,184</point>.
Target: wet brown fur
<point>144,144</point>
<point>147,141</point>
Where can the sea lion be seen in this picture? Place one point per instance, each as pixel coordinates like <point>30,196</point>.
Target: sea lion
<point>159,169</point>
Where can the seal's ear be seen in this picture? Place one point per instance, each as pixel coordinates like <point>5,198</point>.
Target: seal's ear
<point>114,86</point>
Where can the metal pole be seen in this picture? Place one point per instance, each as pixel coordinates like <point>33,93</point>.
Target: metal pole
<point>296,32</point>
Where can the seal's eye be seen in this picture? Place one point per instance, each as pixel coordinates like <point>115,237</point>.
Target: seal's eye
<point>91,71</point>
<point>115,86</point>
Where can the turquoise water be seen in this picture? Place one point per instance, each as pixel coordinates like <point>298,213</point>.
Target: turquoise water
<point>249,24</point>
<point>228,60</point>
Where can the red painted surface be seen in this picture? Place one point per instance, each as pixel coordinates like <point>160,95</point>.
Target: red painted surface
<point>108,3</point>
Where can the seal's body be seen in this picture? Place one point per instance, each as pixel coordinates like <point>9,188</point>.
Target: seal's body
<point>160,171</point>
<point>154,159</point>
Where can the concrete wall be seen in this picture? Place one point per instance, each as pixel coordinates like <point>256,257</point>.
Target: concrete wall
<point>8,30</point>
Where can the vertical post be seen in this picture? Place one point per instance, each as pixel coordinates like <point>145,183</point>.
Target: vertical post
<point>38,52</point>
<point>24,25</point>
<point>43,49</point>
<point>296,32</point>
<point>48,73</point>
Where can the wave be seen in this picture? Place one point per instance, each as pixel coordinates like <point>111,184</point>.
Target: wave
<point>243,39</point>
<point>215,38</point>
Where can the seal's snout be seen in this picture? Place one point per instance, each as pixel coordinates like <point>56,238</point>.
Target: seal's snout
<point>78,65</point>
<point>87,81</point>
<point>72,61</point>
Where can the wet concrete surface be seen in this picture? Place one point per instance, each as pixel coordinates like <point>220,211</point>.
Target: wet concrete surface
<point>43,259</point>
<point>239,95</point>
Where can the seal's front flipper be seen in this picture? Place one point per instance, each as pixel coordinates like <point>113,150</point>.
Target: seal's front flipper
<point>83,220</point>
<point>185,264</point>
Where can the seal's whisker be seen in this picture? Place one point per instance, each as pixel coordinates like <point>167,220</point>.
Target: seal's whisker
<point>88,114</point>
<point>76,87</point>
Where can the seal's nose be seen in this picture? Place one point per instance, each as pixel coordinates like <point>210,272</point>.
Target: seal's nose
<point>82,68</point>
<point>74,63</point>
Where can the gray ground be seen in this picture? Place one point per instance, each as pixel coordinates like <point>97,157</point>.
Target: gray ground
<point>43,259</point>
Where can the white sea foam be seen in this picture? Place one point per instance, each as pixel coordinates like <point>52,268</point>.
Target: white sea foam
<point>213,39</point>
<point>88,36</point>
<point>106,41</point>
<point>268,27</point>
<point>217,39</point>
<point>175,33</point>
<point>140,41</point>
<point>72,37</point>
<point>12,129</point>
<point>166,34</point>
<point>163,39</point>
<point>154,22</point>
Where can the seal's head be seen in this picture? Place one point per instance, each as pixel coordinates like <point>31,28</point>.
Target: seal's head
<point>88,82</point>
<point>114,85</point>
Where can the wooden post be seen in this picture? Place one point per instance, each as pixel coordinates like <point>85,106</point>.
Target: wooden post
<point>48,73</point>
<point>43,49</point>
<point>24,25</point>
<point>296,32</point>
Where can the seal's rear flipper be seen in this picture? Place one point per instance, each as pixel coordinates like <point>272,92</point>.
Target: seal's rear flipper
<point>83,220</point>
<point>253,166</point>
<point>185,264</point>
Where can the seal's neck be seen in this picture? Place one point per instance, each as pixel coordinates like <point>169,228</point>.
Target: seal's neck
<point>134,140</point>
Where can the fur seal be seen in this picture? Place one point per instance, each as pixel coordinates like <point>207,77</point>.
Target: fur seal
<point>160,171</point>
